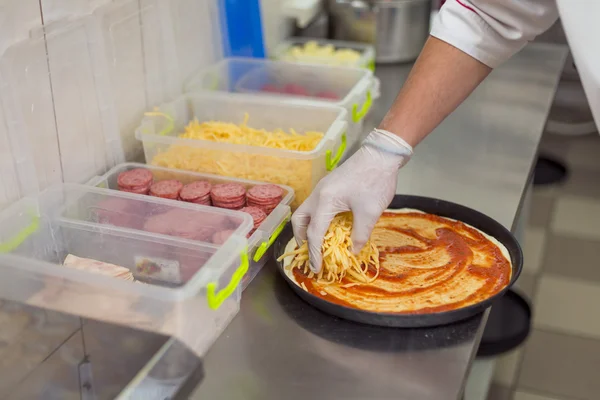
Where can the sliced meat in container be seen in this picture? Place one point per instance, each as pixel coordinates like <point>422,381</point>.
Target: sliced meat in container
<point>228,195</point>
<point>168,189</point>
<point>196,192</point>
<point>135,179</point>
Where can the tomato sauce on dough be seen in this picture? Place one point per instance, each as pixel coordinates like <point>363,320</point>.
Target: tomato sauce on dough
<point>428,264</point>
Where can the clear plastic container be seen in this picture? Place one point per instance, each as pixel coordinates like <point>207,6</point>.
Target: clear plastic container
<point>141,59</point>
<point>351,88</point>
<point>259,244</point>
<point>188,288</point>
<point>366,60</point>
<point>300,170</point>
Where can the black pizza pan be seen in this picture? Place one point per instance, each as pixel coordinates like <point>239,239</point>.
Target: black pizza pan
<point>432,206</point>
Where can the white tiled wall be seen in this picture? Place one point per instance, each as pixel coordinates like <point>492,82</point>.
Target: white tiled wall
<point>73,99</point>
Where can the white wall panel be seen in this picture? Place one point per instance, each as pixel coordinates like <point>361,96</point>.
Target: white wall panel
<point>197,34</point>
<point>141,61</point>
<point>85,122</point>
<point>17,17</point>
<point>62,96</point>
<point>53,10</point>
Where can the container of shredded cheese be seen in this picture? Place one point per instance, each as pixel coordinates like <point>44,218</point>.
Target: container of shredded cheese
<point>184,287</point>
<point>259,242</point>
<point>354,89</point>
<point>247,137</point>
<point>328,52</point>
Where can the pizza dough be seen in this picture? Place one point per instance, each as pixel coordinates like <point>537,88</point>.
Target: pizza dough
<point>427,264</point>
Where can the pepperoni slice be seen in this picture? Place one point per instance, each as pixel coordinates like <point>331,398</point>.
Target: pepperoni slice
<point>230,206</point>
<point>189,224</point>
<point>265,193</point>
<point>140,190</point>
<point>168,189</point>
<point>258,215</point>
<point>226,192</point>
<point>135,178</point>
<point>266,197</point>
<point>268,209</point>
<point>204,202</point>
<point>118,212</point>
<point>196,192</point>
<point>228,195</point>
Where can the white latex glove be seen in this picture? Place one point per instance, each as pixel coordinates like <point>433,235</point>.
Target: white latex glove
<point>365,184</point>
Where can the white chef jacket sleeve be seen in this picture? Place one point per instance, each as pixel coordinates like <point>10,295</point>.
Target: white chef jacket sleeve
<point>491,31</point>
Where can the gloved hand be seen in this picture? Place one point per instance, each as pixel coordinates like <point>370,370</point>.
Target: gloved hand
<point>365,184</point>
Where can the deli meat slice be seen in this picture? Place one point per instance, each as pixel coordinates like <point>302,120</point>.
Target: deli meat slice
<point>168,189</point>
<point>258,215</point>
<point>98,267</point>
<point>142,190</point>
<point>266,197</point>
<point>196,192</point>
<point>135,179</point>
<point>228,195</point>
<point>222,236</point>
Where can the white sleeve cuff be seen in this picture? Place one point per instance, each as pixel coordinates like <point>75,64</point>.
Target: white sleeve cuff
<point>489,58</point>
<point>491,31</point>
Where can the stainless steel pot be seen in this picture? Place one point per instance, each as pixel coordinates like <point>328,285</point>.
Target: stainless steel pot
<point>397,28</point>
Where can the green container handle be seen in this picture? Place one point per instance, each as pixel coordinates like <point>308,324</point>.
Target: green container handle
<point>21,236</point>
<point>170,126</point>
<point>331,163</point>
<point>357,116</point>
<point>371,65</point>
<point>264,246</point>
<point>216,299</point>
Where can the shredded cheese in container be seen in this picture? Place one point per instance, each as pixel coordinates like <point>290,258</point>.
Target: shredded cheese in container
<point>293,172</point>
<point>338,259</point>
<point>327,54</point>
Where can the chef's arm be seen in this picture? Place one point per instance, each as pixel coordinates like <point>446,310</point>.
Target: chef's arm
<point>440,80</point>
<point>468,40</point>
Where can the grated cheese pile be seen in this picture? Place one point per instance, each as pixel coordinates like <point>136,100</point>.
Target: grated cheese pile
<point>313,52</point>
<point>293,172</point>
<point>338,258</point>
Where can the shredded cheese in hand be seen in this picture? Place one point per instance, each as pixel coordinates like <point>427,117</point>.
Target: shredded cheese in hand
<point>297,173</point>
<point>338,259</point>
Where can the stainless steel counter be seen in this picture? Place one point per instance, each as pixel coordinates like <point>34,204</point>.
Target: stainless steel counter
<point>278,347</point>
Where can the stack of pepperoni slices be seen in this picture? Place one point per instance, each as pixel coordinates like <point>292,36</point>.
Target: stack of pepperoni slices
<point>196,192</point>
<point>168,189</point>
<point>136,180</point>
<point>258,216</point>
<point>258,201</point>
<point>265,197</point>
<point>228,195</point>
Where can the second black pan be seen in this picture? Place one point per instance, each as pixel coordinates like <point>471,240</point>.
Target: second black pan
<point>432,206</point>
